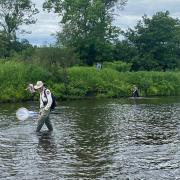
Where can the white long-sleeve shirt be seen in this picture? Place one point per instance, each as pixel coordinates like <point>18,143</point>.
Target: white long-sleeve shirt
<point>46,98</point>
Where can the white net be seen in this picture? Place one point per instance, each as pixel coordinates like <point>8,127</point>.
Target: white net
<point>22,114</point>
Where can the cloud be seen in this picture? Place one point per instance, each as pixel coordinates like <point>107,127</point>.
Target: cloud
<point>126,21</point>
<point>134,11</point>
<point>47,23</point>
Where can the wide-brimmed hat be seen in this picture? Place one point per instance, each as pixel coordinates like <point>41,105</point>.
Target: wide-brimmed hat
<point>38,85</point>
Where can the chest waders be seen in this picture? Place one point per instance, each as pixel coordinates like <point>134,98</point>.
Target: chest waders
<point>44,118</point>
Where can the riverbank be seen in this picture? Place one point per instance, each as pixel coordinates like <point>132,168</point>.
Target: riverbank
<point>83,82</point>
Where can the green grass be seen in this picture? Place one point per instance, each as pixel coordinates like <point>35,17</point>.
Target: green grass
<point>80,82</point>
<point>14,78</point>
<point>111,83</point>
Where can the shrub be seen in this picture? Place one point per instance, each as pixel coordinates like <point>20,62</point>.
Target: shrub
<point>118,66</point>
<point>83,82</point>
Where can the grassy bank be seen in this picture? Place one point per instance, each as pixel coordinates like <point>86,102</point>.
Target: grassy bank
<point>80,82</point>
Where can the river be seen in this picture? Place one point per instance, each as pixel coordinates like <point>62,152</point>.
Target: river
<point>94,139</point>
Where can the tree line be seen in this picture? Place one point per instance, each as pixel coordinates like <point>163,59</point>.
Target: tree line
<point>88,36</point>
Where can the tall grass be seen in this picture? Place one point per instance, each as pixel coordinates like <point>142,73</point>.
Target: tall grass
<point>83,82</point>
<point>118,66</point>
<point>14,77</point>
<point>111,83</point>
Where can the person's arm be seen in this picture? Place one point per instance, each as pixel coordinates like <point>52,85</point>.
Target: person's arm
<point>41,106</point>
<point>49,99</point>
<point>135,89</point>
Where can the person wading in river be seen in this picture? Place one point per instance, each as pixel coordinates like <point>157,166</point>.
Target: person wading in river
<point>135,92</point>
<point>45,106</point>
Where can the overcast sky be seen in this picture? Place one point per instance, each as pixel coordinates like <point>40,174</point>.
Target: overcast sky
<point>47,23</point>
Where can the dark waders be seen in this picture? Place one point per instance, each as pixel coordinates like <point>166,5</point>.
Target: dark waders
<point>44,119</point>
<point>136,93</point>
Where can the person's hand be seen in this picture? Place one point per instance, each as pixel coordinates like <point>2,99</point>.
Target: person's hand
<point>46,109</point>
<point>41,111</point>
<point>30,88</point>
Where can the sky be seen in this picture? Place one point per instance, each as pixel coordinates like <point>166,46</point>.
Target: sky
<point>48,23</point>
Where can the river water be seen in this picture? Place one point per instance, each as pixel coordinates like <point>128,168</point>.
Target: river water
<point>94,139</point>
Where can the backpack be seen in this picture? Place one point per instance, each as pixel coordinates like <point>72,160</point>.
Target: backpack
<point>54,102</point>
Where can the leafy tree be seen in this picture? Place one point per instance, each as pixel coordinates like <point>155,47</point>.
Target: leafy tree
<point>124,51</point>
<point>23,50</point>
<point>3,45</point>
<point>55,57</point>
<point>156,40</point>
<point>13,14</point>
<point>87,26</point>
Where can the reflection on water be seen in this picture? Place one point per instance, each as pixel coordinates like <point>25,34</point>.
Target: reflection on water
<point>94,139</point>
<point>46,148</point>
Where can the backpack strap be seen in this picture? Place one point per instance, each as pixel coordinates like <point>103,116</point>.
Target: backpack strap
<point>44,103</point>
<point>45,94</point>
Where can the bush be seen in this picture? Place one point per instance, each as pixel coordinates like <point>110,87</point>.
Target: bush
<point>118,66</point>
<point>78,82</point>
<point>15,76</point>
<point>55,57</point>
<point>84,81</point>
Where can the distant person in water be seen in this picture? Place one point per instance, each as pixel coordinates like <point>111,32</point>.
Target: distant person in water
<point>46,102</point>
<point>135,91</point>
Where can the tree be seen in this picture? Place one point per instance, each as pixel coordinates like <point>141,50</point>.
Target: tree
<point>87,26</point>
<point>3,45</point>
<point>124,51</point>
<point>55,57</point>
<point>156,40</point>
<point>13,14</point>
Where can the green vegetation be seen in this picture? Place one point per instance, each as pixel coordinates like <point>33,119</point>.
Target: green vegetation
<point>111,83</point>
<point>88,34</point>
<point>118,66</point>
<point>83,82</point>
<point>148,56</point>
<point>14,14</point>
<point>14,77</point>
<point>87,26</point>
<point>157,43</point>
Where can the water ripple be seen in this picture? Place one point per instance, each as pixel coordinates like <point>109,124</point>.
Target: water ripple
<point>94,140</point>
